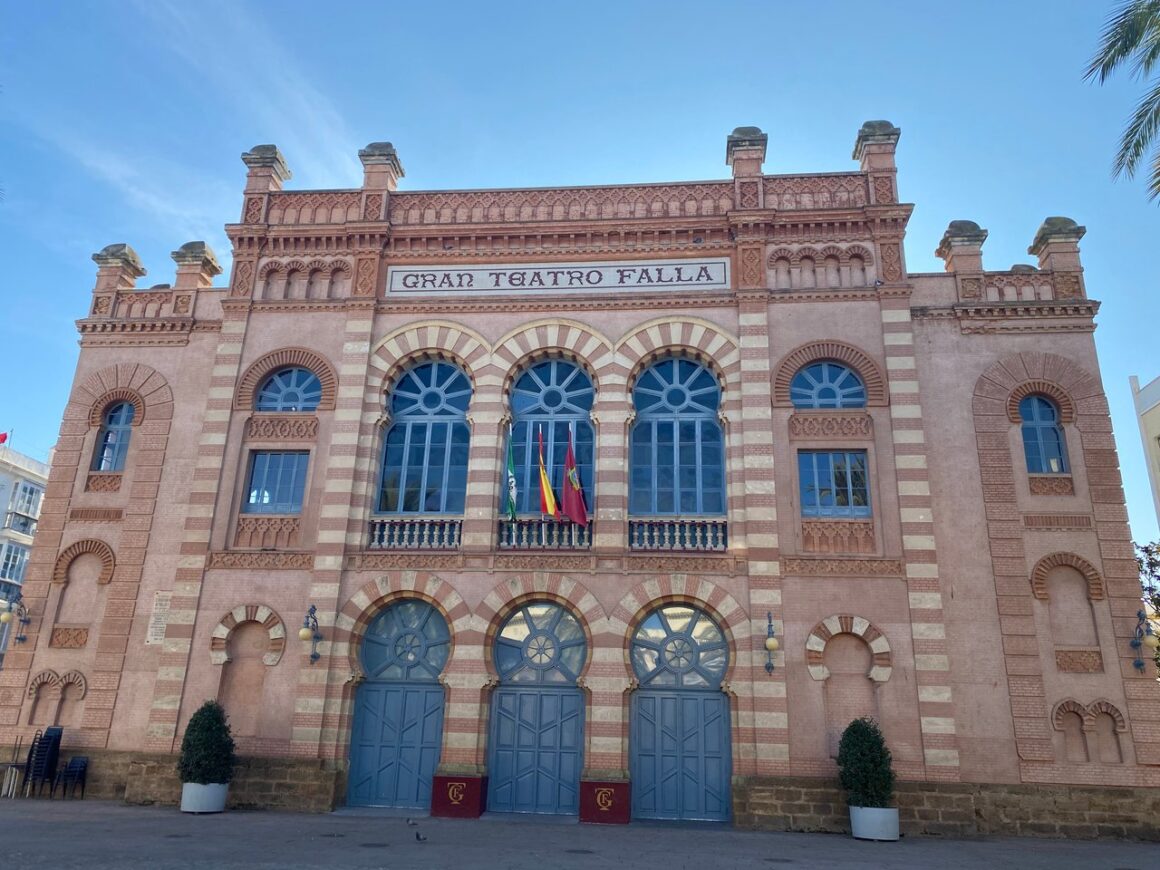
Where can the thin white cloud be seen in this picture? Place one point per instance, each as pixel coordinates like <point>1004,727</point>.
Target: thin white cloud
<point>243,66</point>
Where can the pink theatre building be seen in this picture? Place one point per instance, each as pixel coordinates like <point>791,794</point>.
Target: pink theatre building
<point>907,481</point>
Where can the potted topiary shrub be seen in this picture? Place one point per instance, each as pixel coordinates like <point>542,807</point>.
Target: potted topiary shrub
<point>207,760</point>
<point>868,778</point>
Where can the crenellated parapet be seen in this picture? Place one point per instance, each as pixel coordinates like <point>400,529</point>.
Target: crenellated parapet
<point>163,314</point>
<point>1058,278</point>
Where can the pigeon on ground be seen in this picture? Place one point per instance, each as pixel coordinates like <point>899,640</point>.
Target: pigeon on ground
<point>412,822</point>
<point>420,837</point>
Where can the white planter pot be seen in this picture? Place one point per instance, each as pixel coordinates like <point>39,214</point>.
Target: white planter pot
<point>874,823</point>
<point>197,798</point>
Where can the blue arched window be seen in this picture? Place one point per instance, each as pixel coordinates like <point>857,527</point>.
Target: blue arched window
<point>548,398</point>
<point>679,645</point>
<point>541,642</point>
<point>1043,443</point>
<point>290,389</point>
<point>113,439</point>
<point>678,452</point>
<point>425,450</point>
<point>827,385</point>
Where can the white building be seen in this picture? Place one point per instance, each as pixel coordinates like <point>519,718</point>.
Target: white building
<point>22,482</point>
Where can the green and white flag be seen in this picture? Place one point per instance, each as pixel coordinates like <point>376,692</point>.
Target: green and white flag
<point>510,505</point>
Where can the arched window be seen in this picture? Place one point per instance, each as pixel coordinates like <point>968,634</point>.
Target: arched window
<point>425,450</point>
<point>677,453</point>
<point>548,398</point>
<point>827,385</point>
<point>290,389</point>
<point>1043,442</point>
<point>113,439</point>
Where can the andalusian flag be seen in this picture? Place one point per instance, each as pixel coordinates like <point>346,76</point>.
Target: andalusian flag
<point>547,499</point>
<point>510,504</point>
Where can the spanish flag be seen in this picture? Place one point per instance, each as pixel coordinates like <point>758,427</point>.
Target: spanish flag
<point>547,499</point>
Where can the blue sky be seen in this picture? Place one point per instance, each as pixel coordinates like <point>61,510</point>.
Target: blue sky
<point>123,122</point>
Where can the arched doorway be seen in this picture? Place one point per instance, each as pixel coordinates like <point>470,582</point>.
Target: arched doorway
<point>536,750</point>
<point>398,721</point>
<point>680,762</point>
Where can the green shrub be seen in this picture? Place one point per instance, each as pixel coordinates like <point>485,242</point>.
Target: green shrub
<point>207,750</point>
<point>864,765</point>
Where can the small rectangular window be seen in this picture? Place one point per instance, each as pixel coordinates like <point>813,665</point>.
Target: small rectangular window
<point>277,482</point>
<point>26,499</point>
<point>833,483</point>
<point>13,563</point>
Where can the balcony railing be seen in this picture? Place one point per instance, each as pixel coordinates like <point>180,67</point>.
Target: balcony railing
<point>534,534</point>
<point>415,533</point>
<point>670,533</point>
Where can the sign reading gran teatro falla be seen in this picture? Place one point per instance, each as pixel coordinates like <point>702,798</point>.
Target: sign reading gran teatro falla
<point>629,276</point>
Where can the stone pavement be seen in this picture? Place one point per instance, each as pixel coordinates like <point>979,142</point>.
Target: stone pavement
<point>102,834</point>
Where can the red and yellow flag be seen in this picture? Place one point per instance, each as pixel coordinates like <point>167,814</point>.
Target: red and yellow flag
<point>547,498</point>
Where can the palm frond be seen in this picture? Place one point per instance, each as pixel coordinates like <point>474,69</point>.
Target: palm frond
<point>1131,29</point>
<point>1139,133</point>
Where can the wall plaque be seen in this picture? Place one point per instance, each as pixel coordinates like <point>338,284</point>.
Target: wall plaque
<point>628,276</point>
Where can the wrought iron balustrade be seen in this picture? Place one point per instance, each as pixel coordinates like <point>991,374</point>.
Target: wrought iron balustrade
<point>415,533</point>
<point>535,534</point>
<point>673,533</point>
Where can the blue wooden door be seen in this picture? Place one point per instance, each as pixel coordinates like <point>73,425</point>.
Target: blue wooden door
<point>398,718</point>
<point>681,765</point>
<point>536,745</point>
<point>537,750</point>
<point>395,744</point>
<point>681,757</point>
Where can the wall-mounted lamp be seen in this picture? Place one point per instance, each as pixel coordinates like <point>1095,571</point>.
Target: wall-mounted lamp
<point>1144,637</point>
<point>310,632</point>
<point>16,610</point>
<point>771,643</point>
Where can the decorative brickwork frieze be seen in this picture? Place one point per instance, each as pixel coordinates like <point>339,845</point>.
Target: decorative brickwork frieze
<point>103,482</point>
<point>843,567</point>
<point>96,515</point>
<point>259,532</point>
<point>830,426</point>
<point>568,204</point>
<point>1054,522</point>
<point>69,637</point>
<point>839,536</point>
<point>283,561</point>
<point>1050,484</point>
<point>282,427</point>
<point>1079,661</point>
<point>794,193</point>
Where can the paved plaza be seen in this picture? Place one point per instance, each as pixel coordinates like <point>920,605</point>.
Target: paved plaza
<point>101,834</point>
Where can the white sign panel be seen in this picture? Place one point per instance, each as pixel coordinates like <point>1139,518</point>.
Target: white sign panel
<point>629,276</point>
<point>159,618</point>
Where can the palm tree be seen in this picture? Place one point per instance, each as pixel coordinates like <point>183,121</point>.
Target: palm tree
<point>1131,38</point>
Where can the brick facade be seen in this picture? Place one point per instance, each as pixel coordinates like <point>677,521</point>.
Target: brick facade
<point>958,581</point>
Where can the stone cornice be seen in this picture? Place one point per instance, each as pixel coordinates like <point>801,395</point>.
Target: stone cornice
<point>1023,317</point>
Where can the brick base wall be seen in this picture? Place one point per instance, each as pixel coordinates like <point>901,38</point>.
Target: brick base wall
<point>956,809</point>
<point>302,785</point>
